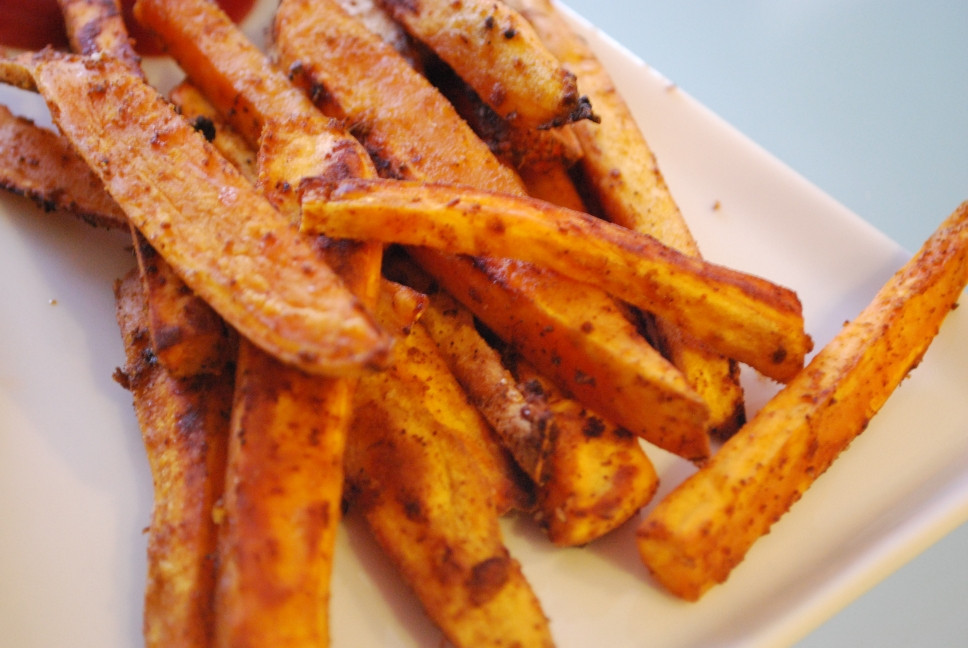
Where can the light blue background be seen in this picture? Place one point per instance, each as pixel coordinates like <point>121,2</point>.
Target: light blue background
<point>869,101</point>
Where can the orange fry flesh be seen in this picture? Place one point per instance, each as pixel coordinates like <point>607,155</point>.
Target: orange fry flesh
<point>704,528</point>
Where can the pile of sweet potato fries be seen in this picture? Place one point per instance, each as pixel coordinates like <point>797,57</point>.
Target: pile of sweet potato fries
<point>416,258</point>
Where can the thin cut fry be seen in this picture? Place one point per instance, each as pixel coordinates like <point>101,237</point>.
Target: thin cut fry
<point>499,55</point>
<point>704,528</point>
<point>254,270</point>
<point>735,314</point>
<point>184,424</point>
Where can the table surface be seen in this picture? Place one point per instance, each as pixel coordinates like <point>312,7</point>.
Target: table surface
<point>866,100</point>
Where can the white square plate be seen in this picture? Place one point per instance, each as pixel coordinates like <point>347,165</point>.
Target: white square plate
<point>75,491</point>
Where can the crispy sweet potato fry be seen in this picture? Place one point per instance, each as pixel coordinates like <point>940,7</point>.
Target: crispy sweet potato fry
<point>41,165</point>
<point>735,314</point>
<point>187,336</point>
<point>499,55</point>
<point>282,504</point>
<point>419,477</point>
<point>621,172</point>
<point>358,77</point>
<point>704,528</point>
<point>595,475</point>
<point>184,424</point>
<point>613,374</point>
<point>285,472</point>
<point>254,270</point>
<point>96,27</point>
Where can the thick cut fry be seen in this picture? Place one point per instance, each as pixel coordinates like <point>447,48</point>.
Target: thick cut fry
<point>187,336</point>
<point>595,475</point>
<point>622,174</point>
<point>703,529</point>
<point>184,424</point>
<point>419,478</point>
<point>735,314</point>
<point>498,54</point>
<point>241,257</point>
<point>41,165</point>
<point>613,375</point>
<point>282,504</point>
<point>358,77</point>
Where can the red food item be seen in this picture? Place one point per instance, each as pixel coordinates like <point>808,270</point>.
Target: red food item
<point>32,24</point>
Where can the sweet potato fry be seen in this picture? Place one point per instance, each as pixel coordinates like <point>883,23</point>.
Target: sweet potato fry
<point>595,475</point>
<point>359,78</point>
<point>184,424</point>
<point>623,176</point>
<point>282,504</point>
<point>41,165</point>
<point>450,152</point>
<point>96,28</point>
<point>499,55</point>
<point>187,336</point>
<point>737,315</point>
<point>419,477</point>
<point>704,528</point>
<point>242,258</point>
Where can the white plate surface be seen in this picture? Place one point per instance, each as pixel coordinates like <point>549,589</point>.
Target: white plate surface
<point>75,492</point>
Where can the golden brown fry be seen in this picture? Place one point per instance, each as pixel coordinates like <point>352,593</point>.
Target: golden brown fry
<point>611,374</point>
<point>425,486</point>
<point>242,258</point>
<point>41,165</point>
<point>595,475</point>
<point>498,54</point>
<point>622,174</point>
<point>282,504</point>
<point>184,424</point>
<point>703,529</point>
<point>203,116</point>
<point>732,313</point>
<point>360,78</point>
<point>187,336</point>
